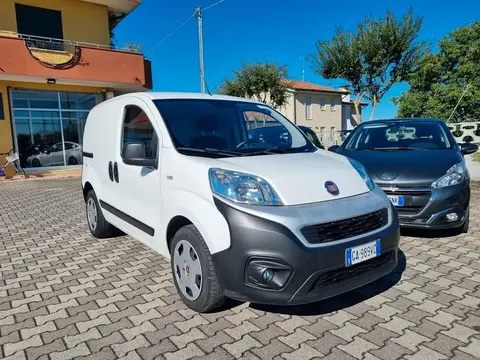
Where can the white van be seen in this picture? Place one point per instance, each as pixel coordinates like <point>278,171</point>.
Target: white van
<point>238,198</point>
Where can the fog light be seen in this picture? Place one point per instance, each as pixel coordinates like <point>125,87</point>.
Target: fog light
<point>267,275</point>
<point>452,217</point>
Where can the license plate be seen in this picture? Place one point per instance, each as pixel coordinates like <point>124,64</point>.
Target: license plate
<point>397,200</point>
<point>361,253</point>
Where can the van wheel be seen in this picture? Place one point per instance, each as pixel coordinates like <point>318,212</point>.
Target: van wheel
<point>193,271</point>
<point>99,227</point>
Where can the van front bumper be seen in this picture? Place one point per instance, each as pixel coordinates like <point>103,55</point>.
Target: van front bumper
<point>301,273</point>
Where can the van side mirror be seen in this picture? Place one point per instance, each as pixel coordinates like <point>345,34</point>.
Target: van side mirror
<point>468,148</point>
<point>133,153</point>
<point>334,148</point>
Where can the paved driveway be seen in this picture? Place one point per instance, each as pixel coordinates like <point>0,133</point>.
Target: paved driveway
<point>66,295</point>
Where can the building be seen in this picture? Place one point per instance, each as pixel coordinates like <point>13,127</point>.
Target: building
<point>329,112</point>
<point>56,63</point>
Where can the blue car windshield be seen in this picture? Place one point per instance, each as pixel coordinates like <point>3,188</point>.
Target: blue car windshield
<point>399,135</point>
<point>229,127</point>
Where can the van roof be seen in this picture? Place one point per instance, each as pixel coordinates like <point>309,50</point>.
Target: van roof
<point>153,95</point>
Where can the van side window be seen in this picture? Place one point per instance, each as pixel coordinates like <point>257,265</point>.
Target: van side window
<point>137,127</point>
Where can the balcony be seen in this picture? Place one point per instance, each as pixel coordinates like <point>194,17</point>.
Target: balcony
<point>35,59</point>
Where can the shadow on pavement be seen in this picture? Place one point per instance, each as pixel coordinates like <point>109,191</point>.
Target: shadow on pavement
<point>430,234</point>
<point>338,302</point>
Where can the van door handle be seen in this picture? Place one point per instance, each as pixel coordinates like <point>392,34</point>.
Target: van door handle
<point>115,171</point>
<point>110,171</point>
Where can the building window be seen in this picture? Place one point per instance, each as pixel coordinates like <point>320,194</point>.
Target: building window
<point>137,127</point>
<point>49,126</point>
<point>323,106</point>
<point>332,107</point>
<point>308,108</point>
<point>40,23</point>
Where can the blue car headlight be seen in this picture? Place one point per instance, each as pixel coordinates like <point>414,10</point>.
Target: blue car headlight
<point>455,175</point>
<point>242,188</point>
<point>363,173</point>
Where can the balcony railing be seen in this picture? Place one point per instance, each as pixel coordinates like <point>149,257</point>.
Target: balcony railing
<point>45,43</point>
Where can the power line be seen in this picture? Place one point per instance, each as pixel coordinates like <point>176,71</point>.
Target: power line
<point>198,15</point>
<point>169,35</point>
<point>208,7</point>
<point>458,102</point>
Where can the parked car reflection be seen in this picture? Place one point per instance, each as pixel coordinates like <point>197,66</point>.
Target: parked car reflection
<point>53,156</point>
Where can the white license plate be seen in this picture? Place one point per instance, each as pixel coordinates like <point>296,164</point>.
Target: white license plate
<point>361,253</point>
<point>397,200</point>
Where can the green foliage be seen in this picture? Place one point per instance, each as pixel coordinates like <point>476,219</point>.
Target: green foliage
<point>441,78</point>
<point>381,53</point>
<point>133,47</point>
<point>263,82</point>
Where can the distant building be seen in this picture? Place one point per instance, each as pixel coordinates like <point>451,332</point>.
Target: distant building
<point>56,63</point>
<point>328,111</point>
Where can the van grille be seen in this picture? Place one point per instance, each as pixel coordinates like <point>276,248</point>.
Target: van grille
<point>347,228</point>
<point>339,276</point>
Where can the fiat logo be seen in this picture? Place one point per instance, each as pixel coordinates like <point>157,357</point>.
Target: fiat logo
<point>332,188</point>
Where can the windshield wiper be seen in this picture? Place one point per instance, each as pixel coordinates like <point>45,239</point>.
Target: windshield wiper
<point>269,151</point>
<point>211,151</point>
<point>396,148</point>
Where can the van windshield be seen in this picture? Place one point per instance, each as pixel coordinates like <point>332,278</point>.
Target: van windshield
<point>220,128</point>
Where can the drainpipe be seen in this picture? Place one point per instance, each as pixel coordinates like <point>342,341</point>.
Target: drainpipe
<point>294,108</point>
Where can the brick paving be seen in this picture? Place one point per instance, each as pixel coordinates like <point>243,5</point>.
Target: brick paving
<point>65,295</point>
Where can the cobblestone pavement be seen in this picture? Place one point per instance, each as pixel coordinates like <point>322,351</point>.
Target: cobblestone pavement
<point>64,294</point>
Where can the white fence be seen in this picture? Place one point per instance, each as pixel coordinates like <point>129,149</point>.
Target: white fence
<point>466,131</point>
<point>462,132</point>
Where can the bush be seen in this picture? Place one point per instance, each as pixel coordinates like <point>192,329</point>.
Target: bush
<point>468,139</point>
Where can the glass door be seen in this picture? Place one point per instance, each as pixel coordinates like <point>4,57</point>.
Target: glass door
<point>49,126</point>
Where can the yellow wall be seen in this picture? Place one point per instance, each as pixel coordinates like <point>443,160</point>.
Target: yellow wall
<point>82,21</point>
<point>6,140</point>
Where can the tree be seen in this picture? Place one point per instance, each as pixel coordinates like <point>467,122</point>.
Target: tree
<point>133,47</point>
<point>381,53</point>
<point>263,82</point>
<point>446,85</point>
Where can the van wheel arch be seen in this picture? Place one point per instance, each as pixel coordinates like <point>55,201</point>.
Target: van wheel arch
<point>86,189</point>
<point>175,224</point>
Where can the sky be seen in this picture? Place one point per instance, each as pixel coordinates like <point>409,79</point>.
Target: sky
<point>255,31</point>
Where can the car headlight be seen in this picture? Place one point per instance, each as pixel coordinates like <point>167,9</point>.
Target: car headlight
<point>455,175</point>
<point>242,188</point>
<point>363,173</point>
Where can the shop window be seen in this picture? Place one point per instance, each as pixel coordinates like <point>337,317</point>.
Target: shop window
<point>45,121</point>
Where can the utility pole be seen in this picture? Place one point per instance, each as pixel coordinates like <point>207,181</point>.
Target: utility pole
<point>198,14</point>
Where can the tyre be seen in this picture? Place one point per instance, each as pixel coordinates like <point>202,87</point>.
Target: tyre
<point>193,271</point>
<point>99,227</point>
<point>72,160</point>
<point>36,163</point>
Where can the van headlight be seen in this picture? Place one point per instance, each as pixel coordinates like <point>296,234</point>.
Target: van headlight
<point>363,173</point>
<point>242,188</point>
<point>455,175</point>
